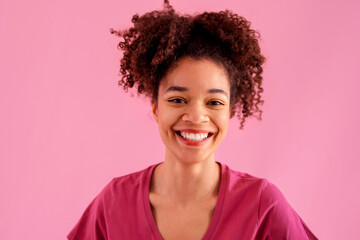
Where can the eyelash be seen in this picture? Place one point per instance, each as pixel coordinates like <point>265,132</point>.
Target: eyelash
<point>218,103</point>
<point>176,100</point>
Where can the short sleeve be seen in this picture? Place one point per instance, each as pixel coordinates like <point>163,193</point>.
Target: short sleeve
<point>277,219</point>
<point>92,224</point>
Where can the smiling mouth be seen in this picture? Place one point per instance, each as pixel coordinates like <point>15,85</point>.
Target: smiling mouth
<point>196,137</point>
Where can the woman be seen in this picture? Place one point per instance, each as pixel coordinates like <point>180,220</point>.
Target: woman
<point>198,72</point>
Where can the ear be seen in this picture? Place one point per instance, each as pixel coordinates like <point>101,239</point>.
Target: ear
<point>155,111</point>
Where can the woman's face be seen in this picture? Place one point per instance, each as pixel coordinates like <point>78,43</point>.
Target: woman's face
<point>193,109</point>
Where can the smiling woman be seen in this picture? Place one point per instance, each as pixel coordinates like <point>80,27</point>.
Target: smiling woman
<point>193,109</point>
<point>198,72</point>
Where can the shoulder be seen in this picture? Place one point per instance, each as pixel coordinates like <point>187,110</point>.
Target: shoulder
<point>241,181</point>
<point>267,191</point>
<point>129,184</point>
<point>117,202</point>
<point>262,192</point>
<point>276,219</point>
<point>129,180</point>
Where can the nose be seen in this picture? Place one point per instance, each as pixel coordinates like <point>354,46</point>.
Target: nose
<point>196,113</point>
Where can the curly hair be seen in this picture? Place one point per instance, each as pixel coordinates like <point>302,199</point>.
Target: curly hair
<point>159,38</point>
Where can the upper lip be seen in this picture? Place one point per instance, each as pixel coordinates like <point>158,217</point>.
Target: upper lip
<point>193,131</point>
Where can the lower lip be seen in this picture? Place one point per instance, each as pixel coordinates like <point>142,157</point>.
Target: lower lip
<point>193,143</point>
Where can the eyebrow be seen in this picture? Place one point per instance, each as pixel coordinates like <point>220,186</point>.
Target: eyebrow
<point>184,89</point>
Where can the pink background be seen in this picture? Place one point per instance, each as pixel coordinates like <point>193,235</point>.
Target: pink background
<point>66,129</point>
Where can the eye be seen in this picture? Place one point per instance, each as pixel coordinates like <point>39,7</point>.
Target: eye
<point>216,103</point>
<point>177,100</point>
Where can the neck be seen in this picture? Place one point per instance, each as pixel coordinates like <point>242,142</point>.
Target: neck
<point>187,182</point>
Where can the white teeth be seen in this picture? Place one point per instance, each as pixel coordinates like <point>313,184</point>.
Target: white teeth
<point>194,136</point>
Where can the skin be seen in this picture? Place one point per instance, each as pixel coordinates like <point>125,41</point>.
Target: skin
<point>184,188</point>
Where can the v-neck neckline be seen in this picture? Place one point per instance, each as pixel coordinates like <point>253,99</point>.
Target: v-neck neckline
<point>217,211</point>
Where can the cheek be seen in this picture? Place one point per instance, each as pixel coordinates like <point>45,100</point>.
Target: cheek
<point>166,117</point>
<point>223,120</point>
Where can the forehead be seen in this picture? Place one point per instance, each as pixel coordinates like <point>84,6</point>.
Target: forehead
<point>196,74</point>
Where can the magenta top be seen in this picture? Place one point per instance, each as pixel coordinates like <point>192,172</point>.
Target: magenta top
<point>247,208</point>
